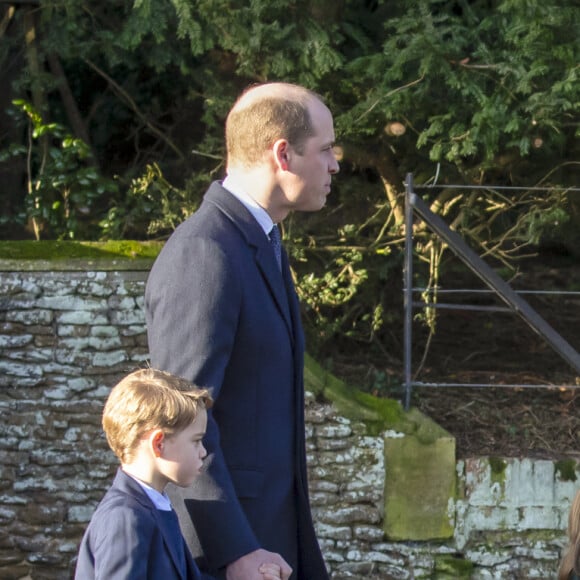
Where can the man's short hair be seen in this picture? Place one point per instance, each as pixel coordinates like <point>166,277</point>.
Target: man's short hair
<point>149,399</point>
<point>255,124</point>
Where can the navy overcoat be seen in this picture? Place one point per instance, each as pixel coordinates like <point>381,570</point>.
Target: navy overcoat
<point>222,315</point>
<point>125,539</point>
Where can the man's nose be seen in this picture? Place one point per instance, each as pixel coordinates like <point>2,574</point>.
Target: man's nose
<point>337,154</point>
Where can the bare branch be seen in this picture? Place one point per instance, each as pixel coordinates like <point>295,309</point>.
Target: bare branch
<point>133,106</point>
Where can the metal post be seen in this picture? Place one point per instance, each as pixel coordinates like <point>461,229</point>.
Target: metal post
<point>408,280</point>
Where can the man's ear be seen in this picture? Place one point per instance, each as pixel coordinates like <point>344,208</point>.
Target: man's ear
<point>156,439</point>
<point>281,150</point>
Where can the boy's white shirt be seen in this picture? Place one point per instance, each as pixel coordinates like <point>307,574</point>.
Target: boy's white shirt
<point>160,500</point>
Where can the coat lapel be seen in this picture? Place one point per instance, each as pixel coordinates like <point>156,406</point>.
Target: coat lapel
<point>169,542</point>
<point>256,238</point>
<point>192,570</point>
<point>127,485</point>
<point>275,281</point>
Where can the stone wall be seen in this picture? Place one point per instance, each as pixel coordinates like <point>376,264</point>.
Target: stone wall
<point>67,336</point>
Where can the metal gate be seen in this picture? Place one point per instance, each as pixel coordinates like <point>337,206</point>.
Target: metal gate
<point>515,303</point>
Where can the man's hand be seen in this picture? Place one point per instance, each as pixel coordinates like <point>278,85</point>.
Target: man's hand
<point>248,567</point>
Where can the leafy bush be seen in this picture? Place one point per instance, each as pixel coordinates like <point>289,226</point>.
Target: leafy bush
<point>63,186</point>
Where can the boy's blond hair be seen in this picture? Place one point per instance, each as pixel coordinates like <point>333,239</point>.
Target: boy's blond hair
<point>149,399</point>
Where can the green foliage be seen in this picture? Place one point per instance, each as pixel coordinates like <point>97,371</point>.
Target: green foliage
<point>474,80</point>
<point>335,287</point>
<point>152,206</point>
<point>541,221</point>
<point>63,186</point>
<point>481,91</point>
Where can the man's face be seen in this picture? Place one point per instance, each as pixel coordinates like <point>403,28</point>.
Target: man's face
<point>312,170</point>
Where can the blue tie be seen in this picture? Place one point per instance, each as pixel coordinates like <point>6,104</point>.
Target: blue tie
<point>276,244</point>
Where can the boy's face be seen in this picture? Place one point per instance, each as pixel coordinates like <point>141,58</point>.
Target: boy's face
<point>183,452</point>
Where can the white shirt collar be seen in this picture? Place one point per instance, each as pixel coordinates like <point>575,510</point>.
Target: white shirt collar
<point>160,500</point>
<point>259,213</point>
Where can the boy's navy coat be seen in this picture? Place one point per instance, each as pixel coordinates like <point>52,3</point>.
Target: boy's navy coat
<point>125,539</point>
<point>220,314</point>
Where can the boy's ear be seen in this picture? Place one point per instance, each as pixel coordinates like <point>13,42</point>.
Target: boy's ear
<point>156,438</point>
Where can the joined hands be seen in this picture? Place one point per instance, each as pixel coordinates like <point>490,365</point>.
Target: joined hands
<point>259,565</point>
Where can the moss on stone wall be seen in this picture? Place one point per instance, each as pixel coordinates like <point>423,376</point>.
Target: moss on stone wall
<point>53,250</point>
<point>566,469</point>
<point>498,467</point>
<point>53,255</point>
<point>452,567</point>
<point>376,413</point>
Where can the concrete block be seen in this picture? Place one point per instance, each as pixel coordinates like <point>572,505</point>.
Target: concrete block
<point>420,484</point>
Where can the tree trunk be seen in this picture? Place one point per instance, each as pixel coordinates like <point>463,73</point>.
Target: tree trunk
<point>383,162</point>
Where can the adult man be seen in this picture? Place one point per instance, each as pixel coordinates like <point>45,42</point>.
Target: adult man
<point>223,313</point>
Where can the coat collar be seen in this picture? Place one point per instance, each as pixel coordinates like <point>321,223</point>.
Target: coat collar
<point>126,484</point>
<point>255,237</point>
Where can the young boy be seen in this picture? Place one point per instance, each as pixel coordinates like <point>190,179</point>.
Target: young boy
<point>154,423</point>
